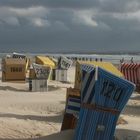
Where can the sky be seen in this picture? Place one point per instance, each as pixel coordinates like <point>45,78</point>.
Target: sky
<point>70,25</point>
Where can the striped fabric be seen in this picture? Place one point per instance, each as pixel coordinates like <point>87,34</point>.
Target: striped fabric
<point>73,105</point>
<point>131,72</point>
<point>103,98</point>
<point>89,75</point>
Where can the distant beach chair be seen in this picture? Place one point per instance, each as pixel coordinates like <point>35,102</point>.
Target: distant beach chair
<point>103,96</point>
<point>131,72</point>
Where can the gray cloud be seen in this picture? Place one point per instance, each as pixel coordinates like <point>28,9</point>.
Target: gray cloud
<point>60,25</point>
<point>103,5</point>
<point>49,3</point>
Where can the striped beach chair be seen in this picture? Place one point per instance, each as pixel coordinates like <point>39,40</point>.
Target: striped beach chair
<point>103,97</point>
<point>131,72</point>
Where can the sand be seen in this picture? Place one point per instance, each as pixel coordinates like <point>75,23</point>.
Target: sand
<point>34,115</point>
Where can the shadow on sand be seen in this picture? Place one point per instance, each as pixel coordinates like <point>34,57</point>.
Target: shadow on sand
<point>50,88</point>
<point>132,110</point>
<point>136,97</point>
<point>53,88</point>
<point>64,135</point>
<point>12,89</point>
<point>121,134</point>
<point>56,119</point>
<point>125,134</point>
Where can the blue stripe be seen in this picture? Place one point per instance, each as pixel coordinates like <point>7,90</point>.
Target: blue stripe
<point>73,108</point>
<point>74,100</point>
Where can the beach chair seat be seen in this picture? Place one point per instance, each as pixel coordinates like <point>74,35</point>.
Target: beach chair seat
<point>69,122</point>
<point>103,96</point>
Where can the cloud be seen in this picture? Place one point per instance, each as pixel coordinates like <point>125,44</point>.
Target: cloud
<point>38,22</point>
<point>49,3</point>
<point>11,21</point>
<point>84,17</point>
<point>37,11</point>
<point>50,25</point>
<point>102,5</point>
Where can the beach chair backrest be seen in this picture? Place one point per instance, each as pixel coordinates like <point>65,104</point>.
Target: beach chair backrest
<point>99,85</point>
<point>64,63</point>
<point>41,71</point>
<point>112,91</point>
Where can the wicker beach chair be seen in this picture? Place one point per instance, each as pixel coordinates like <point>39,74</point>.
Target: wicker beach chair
<point>103,97</point>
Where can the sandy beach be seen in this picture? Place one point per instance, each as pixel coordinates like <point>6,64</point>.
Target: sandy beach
<point>35,115</point>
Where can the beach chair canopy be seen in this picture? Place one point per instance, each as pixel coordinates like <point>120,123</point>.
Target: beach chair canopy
<point>41,71</point>
<point>45,61</point>
<point>18,55</point>
<point>64,63</point>
<point>104,65</point>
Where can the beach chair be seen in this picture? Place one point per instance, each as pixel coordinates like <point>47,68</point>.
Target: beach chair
<point>69,121</point>
<point>103,97</point>
<point>131,72</point>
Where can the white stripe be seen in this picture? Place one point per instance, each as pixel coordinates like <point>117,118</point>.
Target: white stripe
<point>73,104</point>
<point>96,74</point>
<point>72,111</point>
<point>90,87</point>
<point>84,82</point>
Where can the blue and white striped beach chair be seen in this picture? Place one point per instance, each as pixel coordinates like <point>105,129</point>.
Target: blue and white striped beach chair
<point>103,96</point>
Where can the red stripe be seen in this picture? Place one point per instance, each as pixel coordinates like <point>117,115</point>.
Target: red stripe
<point>132,73</point>
<point>135,73</point>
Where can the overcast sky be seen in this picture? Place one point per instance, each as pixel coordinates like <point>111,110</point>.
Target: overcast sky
<point>69,25</point>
